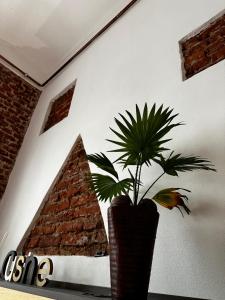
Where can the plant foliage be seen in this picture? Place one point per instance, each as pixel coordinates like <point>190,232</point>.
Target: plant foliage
<point>106,187</point>
<point>177,163</point>
<point>140,139</point>
<point>102,161</point>
<point>141,136</point>
<point>170,198</point>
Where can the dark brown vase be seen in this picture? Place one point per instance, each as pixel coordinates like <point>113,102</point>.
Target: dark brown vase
<point>132,232</point>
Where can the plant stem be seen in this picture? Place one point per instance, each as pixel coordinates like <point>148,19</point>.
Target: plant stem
<point>135,181</point>
<point>152,185</point>
<point>139,178</point>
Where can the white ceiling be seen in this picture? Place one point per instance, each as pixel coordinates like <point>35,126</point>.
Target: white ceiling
<point>39,36</point>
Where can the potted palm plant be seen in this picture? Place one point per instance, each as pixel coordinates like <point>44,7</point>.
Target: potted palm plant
<point>132,217</point>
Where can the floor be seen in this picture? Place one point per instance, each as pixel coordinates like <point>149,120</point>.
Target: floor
<point>9,294</point>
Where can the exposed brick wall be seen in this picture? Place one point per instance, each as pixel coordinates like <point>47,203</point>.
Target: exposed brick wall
<point>17,102</point>
<point>70,222</point>
<point>205,48</point>
<point>59,109</point>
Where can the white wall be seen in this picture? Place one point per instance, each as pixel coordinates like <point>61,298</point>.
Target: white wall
<point>137,60</point>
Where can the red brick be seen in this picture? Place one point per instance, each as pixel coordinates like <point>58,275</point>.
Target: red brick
<point>56,207</point>
<point>71,212</point>
<point>201,64</point>
<point>218,55</point>
<point>59,109</point>
<point>70,227</point>
<point>47,229</point>
<point>33,242</point>
<point>75,239</point>
<point>46,241</point>
<point>15,94</point>
<point>83,199</point>
<point>90,224</point>
<point>204,49</point>
<point>101,237</point>
<point>73,191</point>
<point>92,210</point>
<point>48,251</point>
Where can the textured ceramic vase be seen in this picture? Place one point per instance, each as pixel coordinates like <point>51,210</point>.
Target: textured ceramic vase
<point>132,232</point>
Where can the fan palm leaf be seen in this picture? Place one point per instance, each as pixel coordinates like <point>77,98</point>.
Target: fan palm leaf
<point>102,162</point>
<point>142,135</point>
<point>177,163</point>
<point>106,187</point>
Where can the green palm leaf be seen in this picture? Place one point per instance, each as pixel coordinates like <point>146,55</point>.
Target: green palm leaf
<point>106,187</point>
<point>102,161</point>
<point>142,135</point>
<point>176,163</point>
